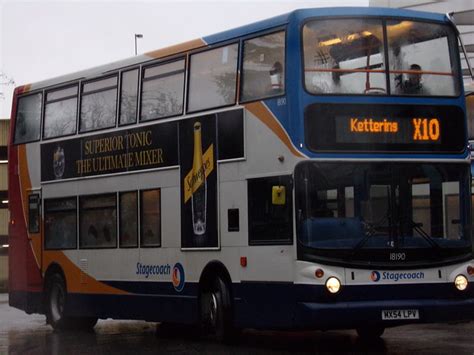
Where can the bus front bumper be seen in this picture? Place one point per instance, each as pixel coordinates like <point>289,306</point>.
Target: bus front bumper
<point>346,315</point>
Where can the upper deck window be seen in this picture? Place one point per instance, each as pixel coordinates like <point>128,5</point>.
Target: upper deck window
<point>213,78</point>
<point>129,97</point>
<point>263,68</point>
<point>28,118</point>
<point>60,113</point>
<point>99,104</point>
<point>344,57</point>
<point>348,57</point>
<point>419,58</point>
<point>163,91</point>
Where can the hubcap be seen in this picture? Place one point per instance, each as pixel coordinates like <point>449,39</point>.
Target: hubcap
<point>57,302</point>
<point>213,309</point>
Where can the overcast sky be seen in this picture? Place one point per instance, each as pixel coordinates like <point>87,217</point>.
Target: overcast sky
<point>43,39</point>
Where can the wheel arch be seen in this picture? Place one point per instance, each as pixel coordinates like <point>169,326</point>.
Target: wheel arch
<point>53,268</point>
<point>213,269</point>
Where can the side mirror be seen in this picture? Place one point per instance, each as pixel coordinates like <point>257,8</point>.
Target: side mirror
<point>278,195</point>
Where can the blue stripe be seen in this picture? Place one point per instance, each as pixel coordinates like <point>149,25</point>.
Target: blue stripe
<point>286,305</point>
<point>347,315</point>
<point>300,15</point>
<point>180,309</point>
<point>153,288</point>
<point>274,304</point>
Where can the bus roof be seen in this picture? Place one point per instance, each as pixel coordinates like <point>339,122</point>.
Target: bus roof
<point>245,30</point>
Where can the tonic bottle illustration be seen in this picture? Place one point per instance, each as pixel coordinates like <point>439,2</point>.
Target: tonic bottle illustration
<point>199,196</point>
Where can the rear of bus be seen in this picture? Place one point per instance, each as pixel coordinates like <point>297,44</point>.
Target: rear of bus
<point>25,279</point>
<point>382,207</point>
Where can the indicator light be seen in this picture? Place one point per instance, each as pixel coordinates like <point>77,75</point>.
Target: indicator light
<point>319,273</point>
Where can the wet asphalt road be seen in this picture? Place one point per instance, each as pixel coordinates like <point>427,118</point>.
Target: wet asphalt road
<point>28,334</point>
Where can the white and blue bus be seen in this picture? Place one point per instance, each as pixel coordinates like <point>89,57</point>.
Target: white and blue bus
<point>309,171</point>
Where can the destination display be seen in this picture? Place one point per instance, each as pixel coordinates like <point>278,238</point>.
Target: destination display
<point>417,130</point>
<point>384,128</point>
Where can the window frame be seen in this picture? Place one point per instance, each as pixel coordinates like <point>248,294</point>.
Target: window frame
<point>456,63</point>
<point>115,74</point>
<point>17,104</point>
<point>119,97</point>
<point>79,210</point>
<point>241,64</point>
<point>237,75</point>
<point>469,97</point>
<point>289,198</point>
<point>140,219</point>
<point>31,196</point>
<point>119,220</point>
<point>76,216</point>
<point>220,136</point>
<point>46,92</point>
<point>142,80</point>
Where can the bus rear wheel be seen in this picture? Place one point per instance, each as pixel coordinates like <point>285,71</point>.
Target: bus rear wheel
<point>56,295</point>
<point>216,311</point>
<point>370,333</point>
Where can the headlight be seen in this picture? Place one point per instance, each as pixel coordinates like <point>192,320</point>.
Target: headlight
<point>333,284</point>
<point>460,282</point>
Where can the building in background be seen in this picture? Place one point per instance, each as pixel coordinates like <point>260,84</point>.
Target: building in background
<point>4,217</point>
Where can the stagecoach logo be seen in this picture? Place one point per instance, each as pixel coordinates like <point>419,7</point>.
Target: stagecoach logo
<point>59,162</point>
<point>375,276</point>
<point>178,277</point>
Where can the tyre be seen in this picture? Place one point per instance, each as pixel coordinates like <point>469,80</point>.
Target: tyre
<point>370,333</point>
<point>216,311</point>
<point>56,296</point>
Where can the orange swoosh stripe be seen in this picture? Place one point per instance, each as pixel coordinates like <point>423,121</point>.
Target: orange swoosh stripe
<point>259,110</point>
<point>77,281</point>
<point>178,48</point>
<point>25,185</point>
<point>25,89</point>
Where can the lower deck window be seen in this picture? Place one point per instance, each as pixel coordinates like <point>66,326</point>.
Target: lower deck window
<point>270,222</point>
<point>98,221</point>
<point>150,218</point>
<point>60,223</point>
<point>128,219</point>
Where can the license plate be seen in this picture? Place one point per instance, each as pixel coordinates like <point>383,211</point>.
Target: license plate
<point>396,314</point>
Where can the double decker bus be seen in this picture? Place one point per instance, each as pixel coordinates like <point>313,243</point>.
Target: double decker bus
<point>309,171</point>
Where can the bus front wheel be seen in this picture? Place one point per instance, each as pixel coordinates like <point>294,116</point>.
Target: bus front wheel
<point>56,295</point>
<point>216,313</point>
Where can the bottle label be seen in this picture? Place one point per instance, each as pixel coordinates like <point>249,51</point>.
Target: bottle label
<point>194,179</point>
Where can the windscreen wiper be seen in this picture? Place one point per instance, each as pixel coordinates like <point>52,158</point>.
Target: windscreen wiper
<point>424,235</point>
<point>371,232</point>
